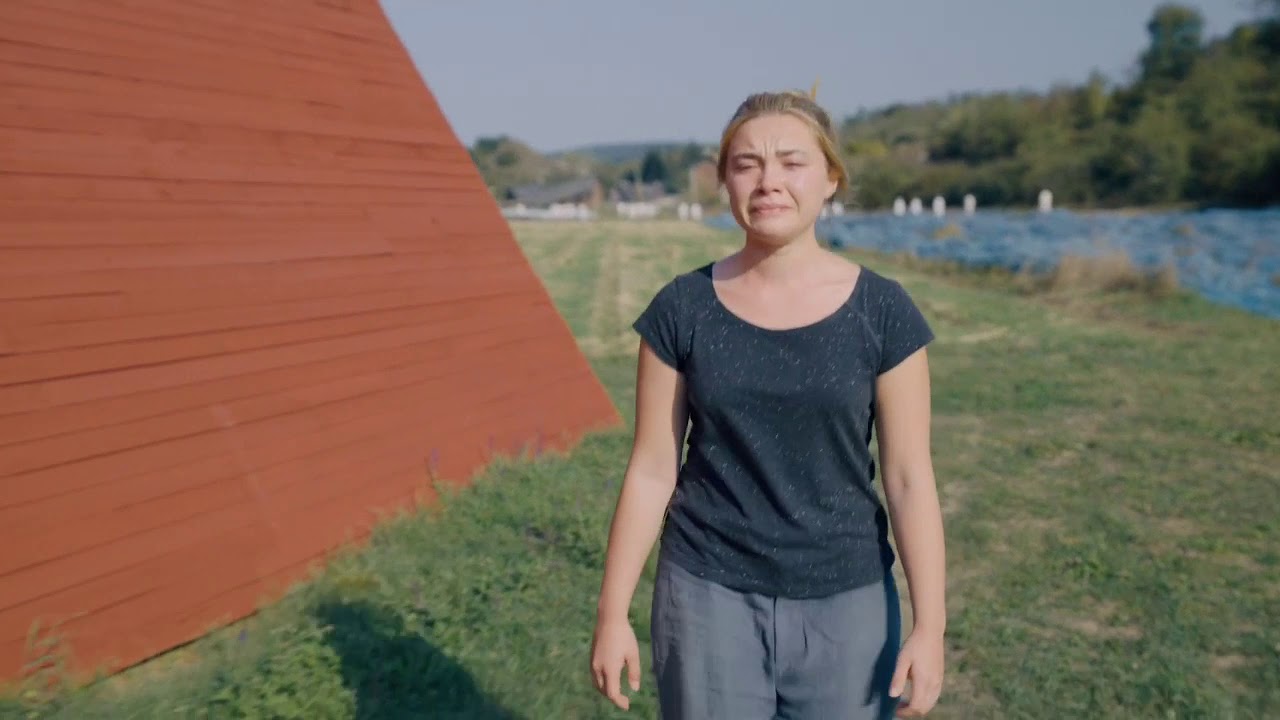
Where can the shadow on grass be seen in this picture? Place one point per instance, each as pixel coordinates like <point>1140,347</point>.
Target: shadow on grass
<point>396,674</point>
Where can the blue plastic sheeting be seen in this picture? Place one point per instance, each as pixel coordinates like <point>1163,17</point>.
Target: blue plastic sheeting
<point>1231,257</point>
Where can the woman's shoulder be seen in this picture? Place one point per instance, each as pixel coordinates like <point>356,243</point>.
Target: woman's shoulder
<point>687,283</point>
<point>681,291</point>
<point>881,288</point>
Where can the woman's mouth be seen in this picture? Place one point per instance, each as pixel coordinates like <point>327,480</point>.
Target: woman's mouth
<point>768,209</point>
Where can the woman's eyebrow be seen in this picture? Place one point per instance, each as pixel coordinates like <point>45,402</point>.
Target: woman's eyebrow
<point>747,155</point>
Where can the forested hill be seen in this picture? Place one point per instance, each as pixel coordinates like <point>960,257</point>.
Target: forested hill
<point>1198,123</point>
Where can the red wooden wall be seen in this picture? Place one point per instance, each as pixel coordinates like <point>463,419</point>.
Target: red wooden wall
<point>251,287</point>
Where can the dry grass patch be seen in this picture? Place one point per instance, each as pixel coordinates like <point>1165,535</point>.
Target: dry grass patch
<point>1110,272</point>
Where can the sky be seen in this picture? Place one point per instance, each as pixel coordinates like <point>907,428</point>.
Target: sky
<point>559,74</point>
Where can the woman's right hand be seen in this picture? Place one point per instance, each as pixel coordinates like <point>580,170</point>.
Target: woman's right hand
<point>613,646</point>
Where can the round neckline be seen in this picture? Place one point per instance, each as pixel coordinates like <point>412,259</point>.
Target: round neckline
<point>839,310</point>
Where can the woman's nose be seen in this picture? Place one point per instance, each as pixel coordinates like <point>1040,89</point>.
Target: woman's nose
<point>770,175</point>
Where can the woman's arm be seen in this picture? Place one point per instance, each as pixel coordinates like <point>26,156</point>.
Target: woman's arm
<point>647,485</point>
<point>902,428</point>
<point>649,480</point>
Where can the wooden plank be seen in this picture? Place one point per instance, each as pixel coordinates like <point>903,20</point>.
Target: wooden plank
<point>111,434</point>
<point>234,316</point>
<point>223,306</point>
<point>22,489</point>
<point>77,188</point>
<point>64,308</point>
<point>34,260</point>
<point>85,208</point>
<point>41,153</point>
<point>99,211</point>
<point>133,378</point>
<point>234,77</point>
<point>157,355</point>
<point>239,499</point>
<point>169,405</point>
<point>80,233</point>
<point>145,522</point>
<point>362,19</point>
<point>40,570</point>
<point>292,145</point>
<point>216,22</point>
<point>182,624</point>
<point>361,99</point>
<point>465,256</point>
<point>262,115</point>
<point>37,24</point>
<point>215,169</point>
<point>135,507</point>
<point>98,592</point>
<point>197,595</point>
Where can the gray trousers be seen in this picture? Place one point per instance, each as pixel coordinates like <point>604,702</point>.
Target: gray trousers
<point>721,654</point>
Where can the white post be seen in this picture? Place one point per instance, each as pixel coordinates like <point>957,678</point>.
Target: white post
<point>970,204</point>
<point>899,207</point>
<point>917,206</point>
<point>939,206</point>
<point>1046,201</point>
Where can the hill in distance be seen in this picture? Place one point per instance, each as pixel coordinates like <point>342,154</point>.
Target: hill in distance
<point>621,153</point>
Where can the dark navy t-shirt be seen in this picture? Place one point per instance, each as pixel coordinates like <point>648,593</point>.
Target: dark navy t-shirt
<point>775,494</point>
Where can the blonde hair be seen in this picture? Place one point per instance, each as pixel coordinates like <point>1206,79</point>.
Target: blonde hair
<point>792,102</point>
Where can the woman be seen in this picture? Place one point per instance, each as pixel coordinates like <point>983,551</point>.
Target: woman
<point>774,595</point>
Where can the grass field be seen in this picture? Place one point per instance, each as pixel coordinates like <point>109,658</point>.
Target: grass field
<point>1108,463</point>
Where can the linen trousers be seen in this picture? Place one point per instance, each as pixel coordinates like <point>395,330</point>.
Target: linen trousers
<point>720,654</point>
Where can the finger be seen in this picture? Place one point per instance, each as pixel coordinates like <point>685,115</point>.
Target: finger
<point>613,679</point>
<point>633,667</point>
<point>932,695</point>
<point>920,703</point>
<point>899,676</point>
<point>908,711</point>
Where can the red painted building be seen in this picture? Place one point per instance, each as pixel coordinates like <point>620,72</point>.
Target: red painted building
<point>252,289</point>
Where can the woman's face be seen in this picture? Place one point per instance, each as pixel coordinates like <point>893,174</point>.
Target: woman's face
<point>777,178</point>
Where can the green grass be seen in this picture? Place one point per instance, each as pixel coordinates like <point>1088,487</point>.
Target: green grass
<point>1107,463</point>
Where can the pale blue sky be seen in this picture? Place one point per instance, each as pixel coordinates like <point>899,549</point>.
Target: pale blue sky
<point>562,73</point>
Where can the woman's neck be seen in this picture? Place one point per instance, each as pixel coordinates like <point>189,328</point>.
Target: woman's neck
<point>768,261</point>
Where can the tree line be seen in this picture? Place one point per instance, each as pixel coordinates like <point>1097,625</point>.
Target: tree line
<point>1199,124</point>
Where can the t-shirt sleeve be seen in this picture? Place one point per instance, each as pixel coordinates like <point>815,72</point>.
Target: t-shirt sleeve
<point>905,329</point>
<point>659,325</point>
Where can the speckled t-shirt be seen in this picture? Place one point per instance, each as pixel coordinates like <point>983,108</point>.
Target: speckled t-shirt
<point>775,494</point>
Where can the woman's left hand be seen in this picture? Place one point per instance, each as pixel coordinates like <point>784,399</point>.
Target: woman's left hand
<point>919,660</point>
